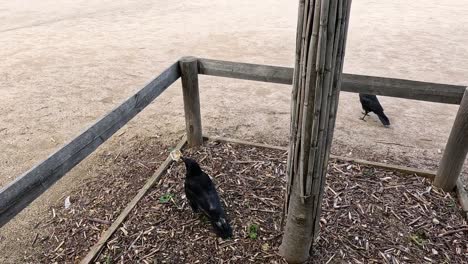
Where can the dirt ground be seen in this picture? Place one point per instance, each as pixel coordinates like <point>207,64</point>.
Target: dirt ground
<point>65,63</point>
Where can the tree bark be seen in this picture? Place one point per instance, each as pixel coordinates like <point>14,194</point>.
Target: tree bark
<point>321,37</point>
<point>456,149</point>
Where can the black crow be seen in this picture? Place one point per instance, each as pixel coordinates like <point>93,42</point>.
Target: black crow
<point>370,103</point>
<point>202,195</point>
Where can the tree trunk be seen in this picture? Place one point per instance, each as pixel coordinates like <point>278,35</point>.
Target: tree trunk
<point>455,151</point>
<point>321,37</point>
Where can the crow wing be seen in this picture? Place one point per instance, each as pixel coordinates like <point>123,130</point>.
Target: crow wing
<point>371,103</point>
<point>202,192</point>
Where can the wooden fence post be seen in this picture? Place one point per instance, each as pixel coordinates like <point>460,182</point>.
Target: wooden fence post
<point>189,75</point>
<point>456,149</point>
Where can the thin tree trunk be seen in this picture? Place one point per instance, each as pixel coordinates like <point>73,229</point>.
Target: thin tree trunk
<point>322,29</point>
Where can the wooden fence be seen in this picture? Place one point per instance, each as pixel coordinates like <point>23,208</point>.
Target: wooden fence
<point>26,188</point>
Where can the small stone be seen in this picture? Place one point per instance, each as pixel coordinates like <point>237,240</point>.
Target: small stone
<point>67,202</point>
<point>323,221</point>
<point>435,221</point>
<point>434,252</point>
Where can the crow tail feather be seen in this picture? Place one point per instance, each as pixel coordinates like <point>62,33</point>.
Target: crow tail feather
<point>384,119</point>
<point>222,228</point>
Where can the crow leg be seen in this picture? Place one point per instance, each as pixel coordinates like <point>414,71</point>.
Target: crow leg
<point>365,114</point>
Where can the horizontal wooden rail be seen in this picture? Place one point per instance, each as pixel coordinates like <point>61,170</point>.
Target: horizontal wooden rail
<point>423,173</point>
<point>422,91</point>
<point>27,187</point>
<point>245,71</point>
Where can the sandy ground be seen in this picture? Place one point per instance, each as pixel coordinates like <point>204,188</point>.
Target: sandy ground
<point>65,63</point>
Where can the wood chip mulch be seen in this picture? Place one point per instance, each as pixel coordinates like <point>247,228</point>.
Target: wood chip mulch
<point>369,215</point>
<point>67,235</point>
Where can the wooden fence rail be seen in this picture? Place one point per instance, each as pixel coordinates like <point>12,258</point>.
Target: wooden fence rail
<point>422,91</point>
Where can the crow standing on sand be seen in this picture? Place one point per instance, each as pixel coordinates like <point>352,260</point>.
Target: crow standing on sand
<point>370,103</point>
<point>201,194</point>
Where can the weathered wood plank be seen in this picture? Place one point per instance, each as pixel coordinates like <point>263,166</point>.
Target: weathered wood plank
<point>422,91</point>
<point>123,215</point>
<point>189,76</point>
<point>409,170</point>
<point>245,71</point>
<point>456,149</point>
<point>27,187</point>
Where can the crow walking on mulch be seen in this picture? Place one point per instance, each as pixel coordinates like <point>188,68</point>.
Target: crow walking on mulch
<point>370,103</point>
<point>202,195</point>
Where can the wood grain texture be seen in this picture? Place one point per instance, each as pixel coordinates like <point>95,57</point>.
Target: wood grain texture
<point>245,71</point>
<point>26,188</point>
<point>191,94</point>
<point>455,151</point>
<point>408,89</point>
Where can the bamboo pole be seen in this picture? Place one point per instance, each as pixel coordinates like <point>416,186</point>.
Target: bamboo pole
<point>189,75</point>
<point>294,106</point>
<point>315,101</point>
<point>456,149</point>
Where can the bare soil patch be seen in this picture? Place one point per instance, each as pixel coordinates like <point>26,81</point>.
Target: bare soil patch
<point>369,216</point>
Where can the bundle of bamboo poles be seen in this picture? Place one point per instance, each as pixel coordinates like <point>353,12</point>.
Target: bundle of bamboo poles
<point>320,46</point>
